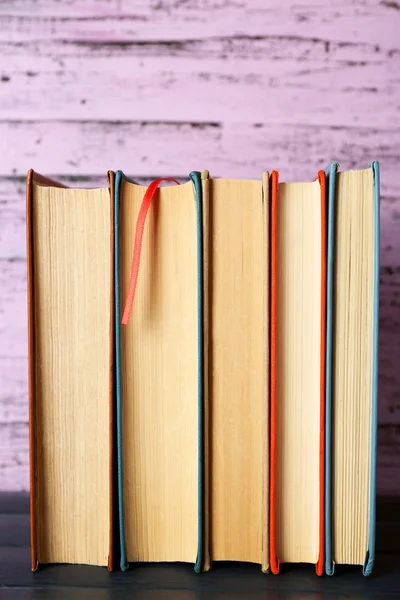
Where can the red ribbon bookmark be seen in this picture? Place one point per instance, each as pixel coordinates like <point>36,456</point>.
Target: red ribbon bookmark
<point>137,247</point>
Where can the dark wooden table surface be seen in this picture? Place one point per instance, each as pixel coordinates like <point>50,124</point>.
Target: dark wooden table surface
<point>226,581</point>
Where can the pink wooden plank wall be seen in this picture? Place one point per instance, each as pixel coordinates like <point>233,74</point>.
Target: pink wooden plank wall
<point>164,87</point>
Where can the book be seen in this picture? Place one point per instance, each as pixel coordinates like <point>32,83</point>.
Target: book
<point>298,304</point>
<point>70,372</point>
<point>236,334</point>
<point>352,366</point>
<point>159,375</point>
<point>217,340</point>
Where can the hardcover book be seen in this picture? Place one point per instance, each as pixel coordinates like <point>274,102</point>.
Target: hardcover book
<point>70,349</point>
<point>352,366</point>
<point>159,373</point>
<point>298,304</point>
<point>236,325</point>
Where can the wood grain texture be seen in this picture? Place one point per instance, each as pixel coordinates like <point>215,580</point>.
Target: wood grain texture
<point>163,87</point>
<point>226,581</point>
<point>294,62</point>
<point>147,149</point>
<point>355,21</point>
<point>283,80</point>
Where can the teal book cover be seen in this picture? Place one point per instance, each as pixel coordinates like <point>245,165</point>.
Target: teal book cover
<point>332,187</point>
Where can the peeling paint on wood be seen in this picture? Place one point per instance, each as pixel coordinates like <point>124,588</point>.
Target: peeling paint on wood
<point>281,80</point>
<point>226,149</point>
<point>352,21</point>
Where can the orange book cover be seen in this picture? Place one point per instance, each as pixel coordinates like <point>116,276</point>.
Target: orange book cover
<point>274,559</point>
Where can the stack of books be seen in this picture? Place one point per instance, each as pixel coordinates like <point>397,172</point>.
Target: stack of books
<point>203,370</point>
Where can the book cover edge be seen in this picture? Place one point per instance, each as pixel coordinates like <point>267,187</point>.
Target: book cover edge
<point>266,206</point>
<point>320,564</point>
<point>32,177</point>
<point>118,388</point>
<point>331,187</point>
<point>370,554</point>
<point>273,559</point>
<point>207,562</point>
<point>31,373</point>
<point>110,565</point>
<point>195,177</point>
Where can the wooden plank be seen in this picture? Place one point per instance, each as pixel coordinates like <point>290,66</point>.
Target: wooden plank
<point>14,503</point>
<point>389,347</point>
<point>225,581</point>
<point>351,21</point>
<point>14,531</point>
<point>283,80</point>
<point>13,390</point>
<point>174,149</point>
<point>14,456</point>
<point>13,323</point>
<point>16,592</point>
<point>388,459</point>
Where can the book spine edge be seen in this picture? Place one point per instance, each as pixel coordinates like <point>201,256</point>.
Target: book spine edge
<point>331,187</point>
<point>320,563</point>
<point>195,177</point>
<point>274,561</point>
<point>266,293</point>
<point>205,185</point>
<point>31,369</point>
<point>118,388</point>
<point>370,554</point>
<point>110,565</point>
